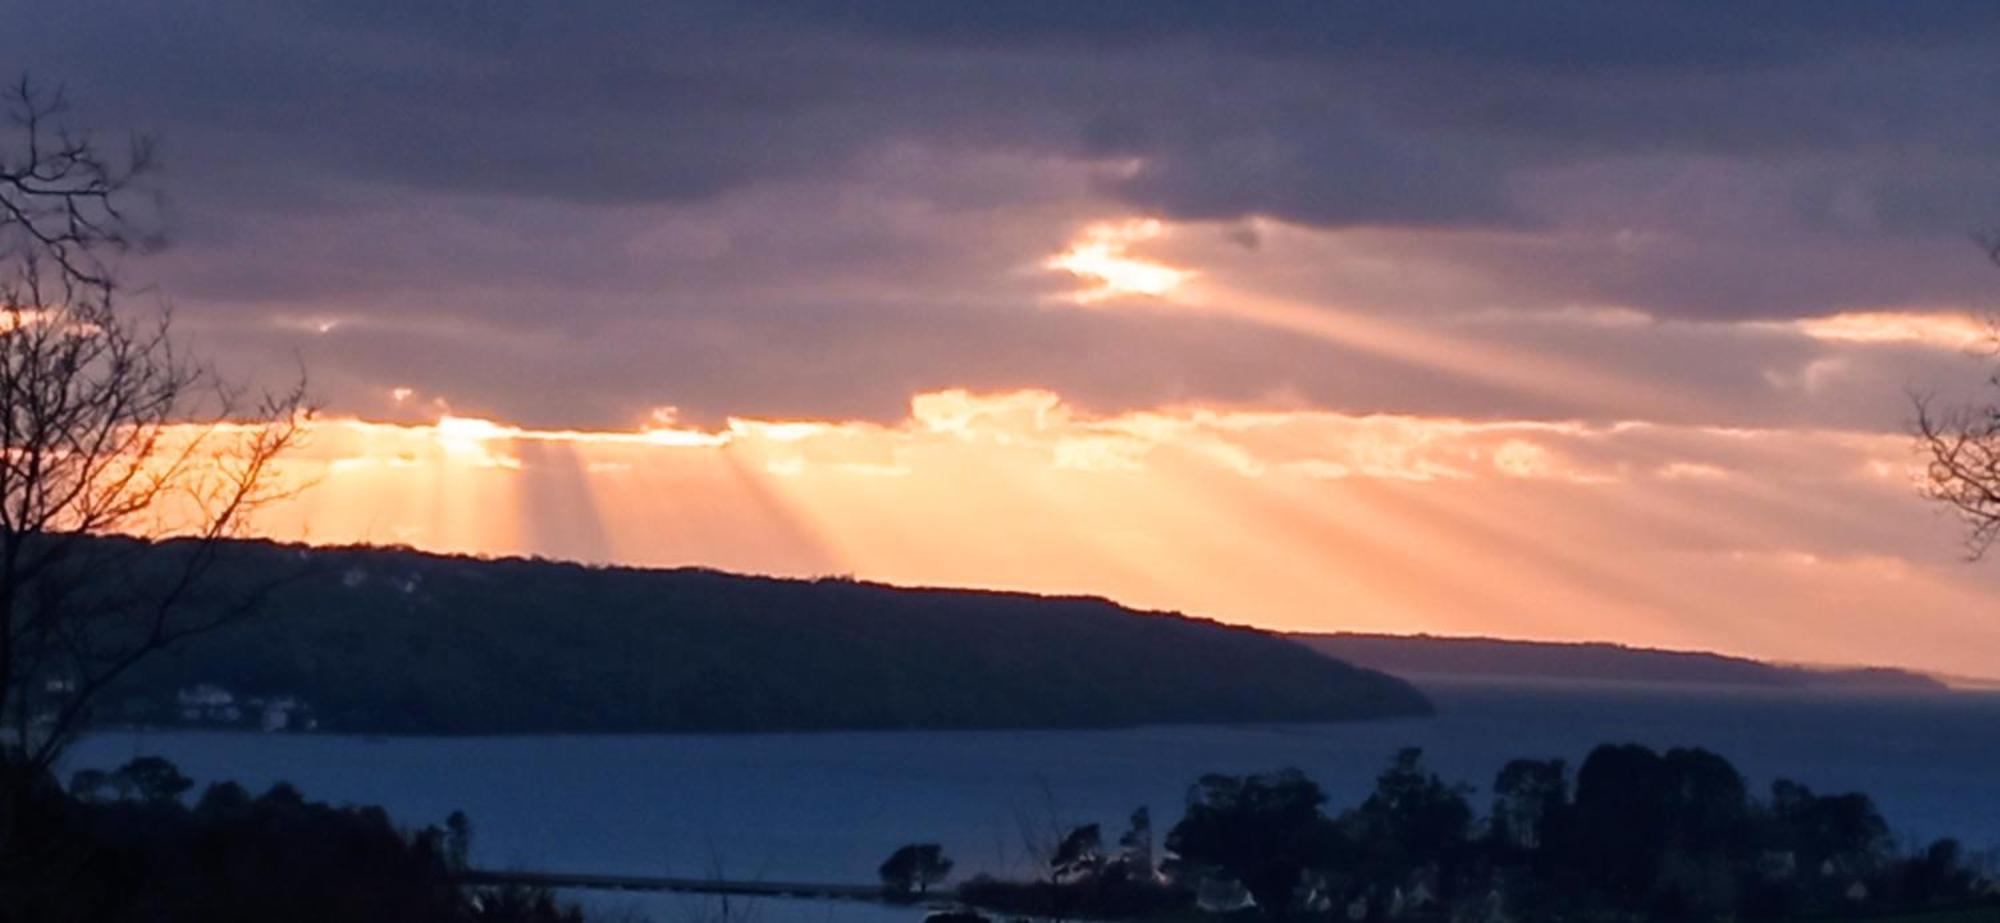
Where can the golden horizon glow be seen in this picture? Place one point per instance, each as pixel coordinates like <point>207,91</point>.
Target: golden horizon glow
<point>1653,534</point>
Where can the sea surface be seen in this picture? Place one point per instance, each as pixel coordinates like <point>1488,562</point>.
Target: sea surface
<point>829,807</point>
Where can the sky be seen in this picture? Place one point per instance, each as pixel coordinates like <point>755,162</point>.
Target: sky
<point>1572,321</point>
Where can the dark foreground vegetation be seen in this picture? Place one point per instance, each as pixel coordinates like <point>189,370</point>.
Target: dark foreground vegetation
<point>1632,835</point>
<point>392,641</point>
<point>125,847</point>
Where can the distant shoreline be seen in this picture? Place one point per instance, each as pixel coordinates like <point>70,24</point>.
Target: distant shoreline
<point>1434,681</point>
<point>1442,683</point>
<point>388,736</point>
<point>1433,657</point>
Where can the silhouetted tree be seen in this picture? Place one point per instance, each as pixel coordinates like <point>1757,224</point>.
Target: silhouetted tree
<point>1667,833</point>
<point>1528,799</point>
<point>1080,854</point>
<point>1618,823</point>
<point>1263,831</point>
<point>458,841</point>
<point>914,869</point>
<point>1135,847</point>
<point>1410,835</point>
<point>104,426</point>
<point>1709,844</point>
<point>151,779</point>
<point>1828,834</point>
<point>1526,830</point>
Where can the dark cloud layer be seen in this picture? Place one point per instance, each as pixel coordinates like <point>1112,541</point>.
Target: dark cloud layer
<point>850,198</point>
<point>1327,113</point>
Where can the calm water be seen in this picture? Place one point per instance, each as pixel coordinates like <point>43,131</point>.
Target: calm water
<point>829,807</point>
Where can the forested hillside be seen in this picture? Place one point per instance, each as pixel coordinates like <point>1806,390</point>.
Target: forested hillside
<point>396,641</point>
<point>1428,657</point>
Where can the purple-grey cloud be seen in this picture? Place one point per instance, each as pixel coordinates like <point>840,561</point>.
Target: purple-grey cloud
<point>816,208</point>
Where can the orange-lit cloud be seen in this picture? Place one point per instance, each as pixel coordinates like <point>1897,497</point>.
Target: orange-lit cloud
<point>1800,544</point>
<point>1945,330</point>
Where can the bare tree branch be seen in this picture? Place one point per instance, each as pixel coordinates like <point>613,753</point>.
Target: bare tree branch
<point>106,428</point>
<point>1961,448</point>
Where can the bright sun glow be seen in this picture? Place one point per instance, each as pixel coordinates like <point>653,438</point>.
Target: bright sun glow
<point>1102,258</point>
<point>468,440</point>
<point>1942,329</point>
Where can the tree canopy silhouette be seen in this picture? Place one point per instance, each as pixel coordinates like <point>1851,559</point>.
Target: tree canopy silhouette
<point>1264,831</point>
<point>1642,835</point>
<point>914,869</point>
<point>135,851</point>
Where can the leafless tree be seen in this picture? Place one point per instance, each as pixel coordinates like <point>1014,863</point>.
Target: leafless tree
<point>1961,448</point>
<point>106,429</point>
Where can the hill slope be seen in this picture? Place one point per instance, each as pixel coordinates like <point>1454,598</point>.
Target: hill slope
<point>1431,656</point>
<point>395,641</point>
